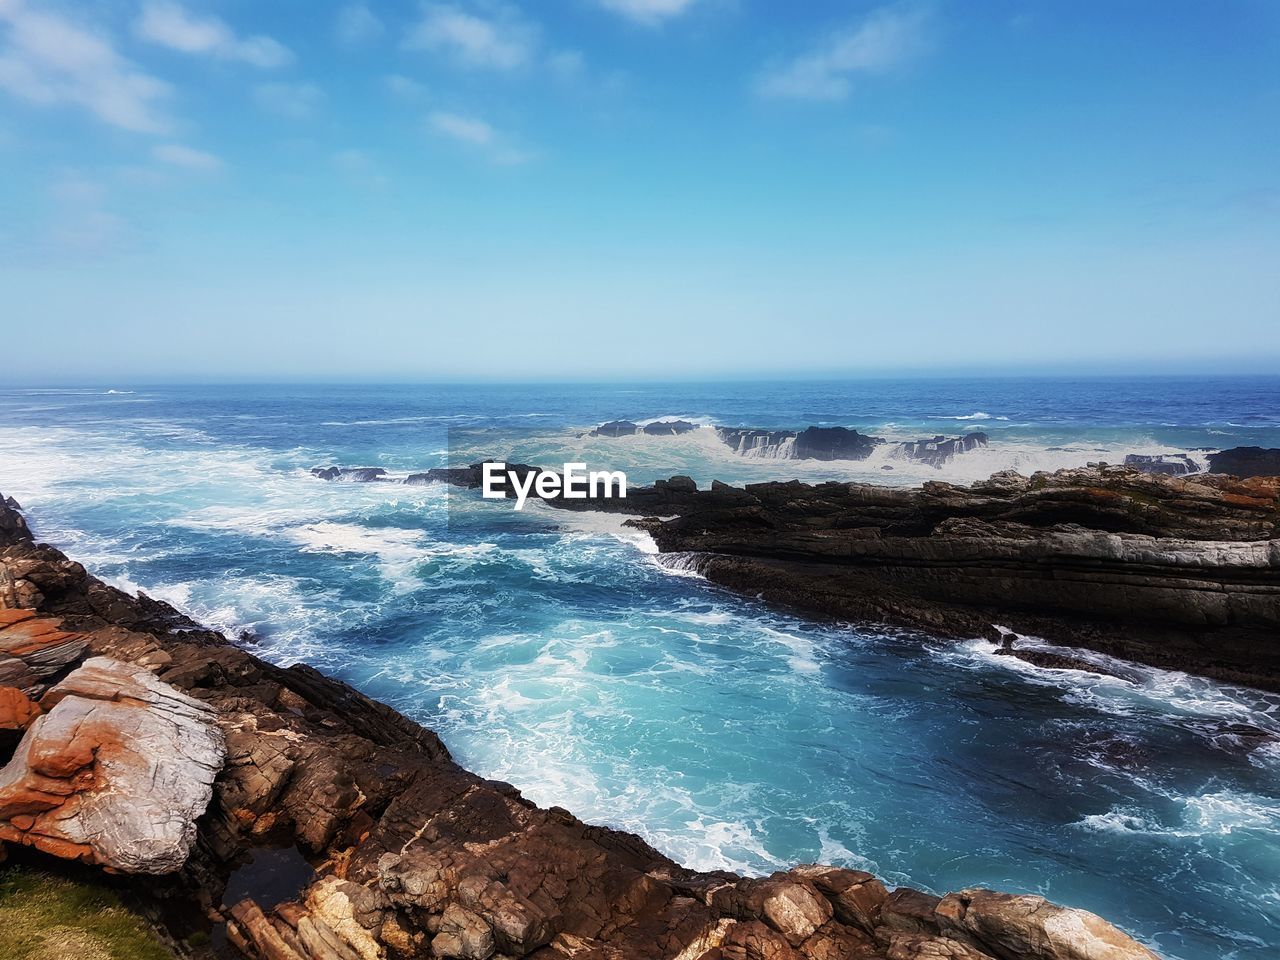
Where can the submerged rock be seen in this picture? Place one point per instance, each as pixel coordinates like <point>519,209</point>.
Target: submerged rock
<point>353,474</point>
<point>115,773</point>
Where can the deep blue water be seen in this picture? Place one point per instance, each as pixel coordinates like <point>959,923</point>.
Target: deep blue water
<point>554,652</point>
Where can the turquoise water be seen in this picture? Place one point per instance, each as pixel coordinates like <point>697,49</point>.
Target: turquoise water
<point>555,652</point>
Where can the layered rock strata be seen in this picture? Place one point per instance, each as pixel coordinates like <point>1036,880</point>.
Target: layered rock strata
<point>1182,573</point>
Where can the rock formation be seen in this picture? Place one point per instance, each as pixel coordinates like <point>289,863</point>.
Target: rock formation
<point>1182,573</point>
<point>115,772</point>
<point>416,857</point>
<point>657,428</point>
<point>941,450</point>
<point>812,443</point>
<point>353,474</point>
<point>1170,464</point>
<point>1246,462</point>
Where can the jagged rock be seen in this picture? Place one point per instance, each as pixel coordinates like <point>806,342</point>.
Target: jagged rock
<point>34,648</point>
<point>115,773</point>
<point>855,895</point>
<point>270,942</point>
<point>463,935</point>
<point>1246,462</point>
<point>753,940</point>
<point>1031,928</point>
<point>615,428</point>
<point>677,484</point>
<point>790,905</point>
<point>907,946</point>
<point>812,443</point>
<point>941,450</point>
<point>342,907</point>
<point>17,710</point>
<point>668,428</point>
<point>1170,464</point>
<point>353,474</point>
<point>910,911</point>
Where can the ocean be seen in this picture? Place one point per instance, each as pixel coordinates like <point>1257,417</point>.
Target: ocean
<point>553,651</point>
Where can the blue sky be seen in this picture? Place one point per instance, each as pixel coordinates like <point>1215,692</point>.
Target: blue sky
<point>293,189</point>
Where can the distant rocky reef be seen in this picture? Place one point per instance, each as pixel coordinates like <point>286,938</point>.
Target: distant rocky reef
<point>812,443</point>
<point>657,428</point>
<point>158,750</point>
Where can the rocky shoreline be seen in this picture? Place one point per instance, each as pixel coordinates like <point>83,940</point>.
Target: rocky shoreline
<point>1181,573</point>
<point>406,853</point>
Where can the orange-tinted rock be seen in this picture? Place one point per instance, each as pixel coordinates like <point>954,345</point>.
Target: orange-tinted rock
<point>116,773</point>
<point>17,710</point>
<point>34,648</point>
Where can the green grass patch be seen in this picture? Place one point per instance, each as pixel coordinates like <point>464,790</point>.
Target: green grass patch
<point>44,916</point>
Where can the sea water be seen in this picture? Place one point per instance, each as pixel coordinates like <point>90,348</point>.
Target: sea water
<point>553,651</point>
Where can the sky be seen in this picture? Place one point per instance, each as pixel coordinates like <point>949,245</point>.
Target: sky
<point>597,189</point>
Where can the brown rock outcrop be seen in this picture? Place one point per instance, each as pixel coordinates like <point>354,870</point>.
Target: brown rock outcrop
<point>34,648</point>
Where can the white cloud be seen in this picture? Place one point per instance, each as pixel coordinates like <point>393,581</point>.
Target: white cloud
<point>648,11</point>
<point>504,40</point>
<point>175,154</point>
<point>404,87</point>
<point>357,24</point>
<point>169,25</point>
<point>477,133</point>
<point>297,101</point>
<point>886,39</point>
<point>49,60</point>
<point>467,129</point>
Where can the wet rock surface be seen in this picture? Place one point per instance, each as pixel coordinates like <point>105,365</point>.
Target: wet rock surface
<point>416,857</point>
<point>1246,462</point>
<point>1182,573</point>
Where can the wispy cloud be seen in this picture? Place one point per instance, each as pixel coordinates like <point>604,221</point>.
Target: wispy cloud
<point>498,39</point>
<point>297,101</point>
<point>357,24</point>
<point>188,158</point>
<point>467,129</point>
<point>169,25</point>
<point>885,40</point>
<point>404,87</point>
<point>648,11</point>
<point>479,134</point>
<point>50,60</point>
